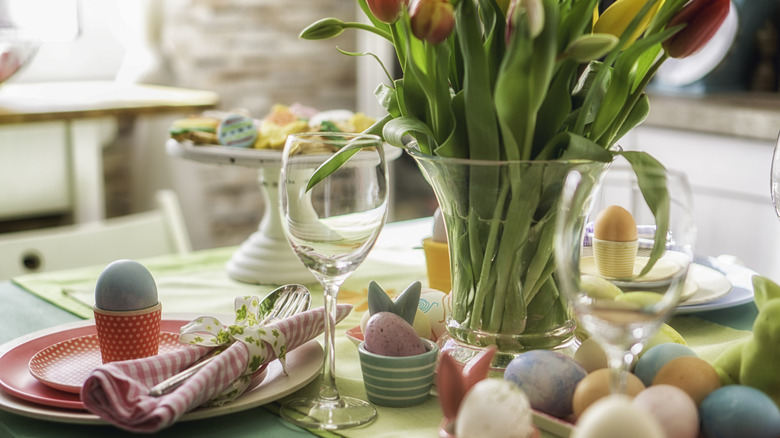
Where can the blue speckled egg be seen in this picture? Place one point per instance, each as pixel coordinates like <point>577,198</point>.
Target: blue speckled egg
<point>125,285</point>
<point>739,411</point>
<point>653,359</point>
<point>548,378</point>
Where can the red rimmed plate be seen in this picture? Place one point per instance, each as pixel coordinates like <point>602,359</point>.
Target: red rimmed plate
<point>67,364</point>
<point>15,376</point>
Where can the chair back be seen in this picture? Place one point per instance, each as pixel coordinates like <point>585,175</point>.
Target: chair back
<point>148,234</point>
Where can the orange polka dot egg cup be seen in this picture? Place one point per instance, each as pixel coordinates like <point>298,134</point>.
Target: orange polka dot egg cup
<point>125,335</point>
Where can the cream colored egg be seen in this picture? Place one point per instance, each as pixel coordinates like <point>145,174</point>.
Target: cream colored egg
<point>591,356</point>
<point>615,417</point>
<point>615,224</point>
<point>422,325</point>
<point>494,408</point>
<point>436,306</point>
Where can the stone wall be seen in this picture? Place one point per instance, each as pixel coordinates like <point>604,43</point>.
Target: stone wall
<point>249,52</point>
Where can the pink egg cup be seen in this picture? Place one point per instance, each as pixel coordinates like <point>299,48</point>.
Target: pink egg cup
<point>125,335</point>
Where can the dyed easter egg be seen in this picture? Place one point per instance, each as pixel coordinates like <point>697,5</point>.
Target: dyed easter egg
<point>237,130</point>
<point>673,408</point>
<point>125,285</point>
<point>615,416</point>
<point>654,358</point>
<point>388,334</point>
<point>494,408</point>
<point>436,305</point>
<point>548,378</point>
<point>693,375</point>
<point>739,411</point>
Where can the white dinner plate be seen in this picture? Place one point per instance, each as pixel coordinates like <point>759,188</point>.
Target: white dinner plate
<point>303,363</point>
<point>707,285</point>
<point>741,279</point>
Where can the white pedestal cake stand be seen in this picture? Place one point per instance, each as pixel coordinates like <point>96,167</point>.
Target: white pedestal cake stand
<point>266,257</point>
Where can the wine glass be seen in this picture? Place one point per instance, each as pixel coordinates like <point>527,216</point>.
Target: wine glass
<point>775,177</point>
<point>332,227</point>
<point>624,277</point>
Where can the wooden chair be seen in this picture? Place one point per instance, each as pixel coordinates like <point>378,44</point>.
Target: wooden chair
<point>157,232</point>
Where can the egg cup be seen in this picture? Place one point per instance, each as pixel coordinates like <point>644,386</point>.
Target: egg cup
<point>437,260</point>
<point>398,381</point>
<point>615,259</point>
<point>125,335</point>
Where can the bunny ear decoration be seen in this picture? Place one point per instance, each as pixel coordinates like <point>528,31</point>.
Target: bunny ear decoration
<point>404,306</point>
<point>454,381</point>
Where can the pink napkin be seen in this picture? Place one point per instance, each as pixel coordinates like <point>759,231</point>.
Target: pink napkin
<point>118,391</point>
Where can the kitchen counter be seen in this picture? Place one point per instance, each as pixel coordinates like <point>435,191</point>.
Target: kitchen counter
<point>746,115</point>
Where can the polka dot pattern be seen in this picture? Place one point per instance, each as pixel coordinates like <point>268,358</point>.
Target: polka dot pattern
<point>67,364</point>
<point>128,335</point>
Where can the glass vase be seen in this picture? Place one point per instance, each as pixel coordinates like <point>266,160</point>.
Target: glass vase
<point>500,221</point>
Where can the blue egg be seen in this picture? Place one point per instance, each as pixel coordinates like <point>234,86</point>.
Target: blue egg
<point>125,285</point>
<point>739,411</point>
<point>548,378</point>
<point>653,359</point>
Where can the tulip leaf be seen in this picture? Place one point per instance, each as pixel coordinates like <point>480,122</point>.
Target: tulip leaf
<point>651,178</point>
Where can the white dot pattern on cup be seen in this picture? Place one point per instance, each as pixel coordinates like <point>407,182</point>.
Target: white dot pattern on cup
<point>125,337</point>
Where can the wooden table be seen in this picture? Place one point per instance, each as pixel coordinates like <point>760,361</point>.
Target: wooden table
<point>81,112</point>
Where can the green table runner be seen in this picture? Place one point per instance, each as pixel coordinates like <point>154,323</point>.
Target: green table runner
<point>197,283</point>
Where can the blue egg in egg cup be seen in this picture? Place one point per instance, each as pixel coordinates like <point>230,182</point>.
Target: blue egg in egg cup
<point>127,312</point>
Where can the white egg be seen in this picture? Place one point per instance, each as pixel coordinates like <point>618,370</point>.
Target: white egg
<point>436,305</point>
<point>615,416</point>
<point>494,408</point>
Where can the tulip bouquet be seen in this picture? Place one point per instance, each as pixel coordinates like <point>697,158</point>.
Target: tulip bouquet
<point>520,81</point>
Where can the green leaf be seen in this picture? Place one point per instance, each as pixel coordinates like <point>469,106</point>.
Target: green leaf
<point>395,129</point>
<point>651,178</point>
<point>570,146</point>
<point>344,154</point>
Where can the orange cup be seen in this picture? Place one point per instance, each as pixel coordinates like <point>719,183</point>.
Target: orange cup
<point>437,259</point>
<point>125,335</point>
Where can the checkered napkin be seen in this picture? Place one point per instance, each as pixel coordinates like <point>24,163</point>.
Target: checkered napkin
<point>118,391</point>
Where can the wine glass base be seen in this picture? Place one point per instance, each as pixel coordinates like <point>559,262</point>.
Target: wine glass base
<point>342,413</point>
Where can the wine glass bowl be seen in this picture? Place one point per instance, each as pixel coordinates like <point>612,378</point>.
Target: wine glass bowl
<point>775,178</point>
<point>332,225</point>
<point>623,264</point>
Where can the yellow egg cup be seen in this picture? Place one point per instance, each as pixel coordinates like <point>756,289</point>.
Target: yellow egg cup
<point>437,260</point>
<point>615,259</point>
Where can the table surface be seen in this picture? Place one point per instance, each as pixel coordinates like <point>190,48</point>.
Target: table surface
<point>46,101</point>
<point>23,312</point>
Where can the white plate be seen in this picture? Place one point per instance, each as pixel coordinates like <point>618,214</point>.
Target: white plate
<point>303,363</point>
<point>707,284</point>
<point>741,279</point>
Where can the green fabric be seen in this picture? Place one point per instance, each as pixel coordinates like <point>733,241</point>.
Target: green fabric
<point>198,283</point>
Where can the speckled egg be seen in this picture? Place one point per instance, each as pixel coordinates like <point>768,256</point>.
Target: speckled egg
<point>654,358</point>
<point>125,285</point>
<point>548,378</point>
<point>739,411</point>
<point>388,334</point>
<point>494,408</point>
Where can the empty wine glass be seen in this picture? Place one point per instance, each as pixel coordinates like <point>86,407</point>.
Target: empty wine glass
<point>332,226</point>
<point>622,268</point>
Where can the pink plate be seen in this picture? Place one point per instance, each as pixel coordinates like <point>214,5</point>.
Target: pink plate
<point>355,335</point>
<point>67,364</point>
<point>15,377</point>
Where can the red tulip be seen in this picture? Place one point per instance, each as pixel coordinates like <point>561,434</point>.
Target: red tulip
<point>387,11</point>
<point>432,20</point>
<point>702,18</point>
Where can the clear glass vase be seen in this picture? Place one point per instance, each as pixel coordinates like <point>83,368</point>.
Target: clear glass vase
<point>500,221</point>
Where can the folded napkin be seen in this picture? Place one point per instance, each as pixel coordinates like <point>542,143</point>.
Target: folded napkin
<point>118,391</point>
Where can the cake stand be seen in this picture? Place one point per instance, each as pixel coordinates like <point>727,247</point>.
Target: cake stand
<point>266,257</point>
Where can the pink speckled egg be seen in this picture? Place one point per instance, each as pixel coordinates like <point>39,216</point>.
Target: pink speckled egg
<point>388,334</point>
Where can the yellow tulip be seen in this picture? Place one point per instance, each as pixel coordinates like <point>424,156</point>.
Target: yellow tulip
<point>616,18</point>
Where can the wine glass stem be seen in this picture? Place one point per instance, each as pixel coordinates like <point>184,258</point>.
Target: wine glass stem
<point>619,362</point>
<point>328,390</point>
